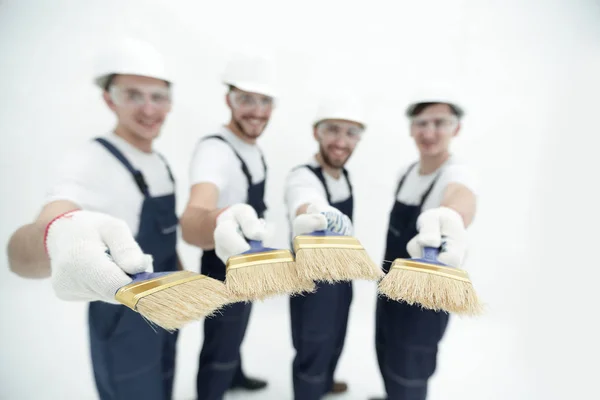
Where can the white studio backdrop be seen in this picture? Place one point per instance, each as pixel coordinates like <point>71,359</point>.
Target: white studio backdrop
<point>526,69</point>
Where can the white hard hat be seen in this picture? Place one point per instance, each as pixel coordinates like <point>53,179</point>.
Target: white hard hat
<point>251,73</point>
<point>435,93</point>
<point>342,106</point>
<point>132,57</point>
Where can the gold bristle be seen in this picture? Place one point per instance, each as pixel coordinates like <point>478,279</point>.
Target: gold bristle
<point>325,242</point>
<point>449,272</point>
<point>335,265</point>
<point>254,259</point>
<point>263,281</point>
<point>334,259</point>
<point>175,306</point>
<point>432,287</point>
<point>130,295</point>
<point>257,276</point>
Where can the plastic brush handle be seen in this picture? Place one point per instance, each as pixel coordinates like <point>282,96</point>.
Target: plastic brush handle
<point>430,253</point>
<point>256,246</point>
<point>142,276</point>
<point>325,232</point>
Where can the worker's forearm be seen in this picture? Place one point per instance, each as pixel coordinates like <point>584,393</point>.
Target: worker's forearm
<point>26,253</point>
<point>198,226</point>
<point>465,212</point>
<point>320,203</point>
<point>302,209</point>
<point>461,200</point>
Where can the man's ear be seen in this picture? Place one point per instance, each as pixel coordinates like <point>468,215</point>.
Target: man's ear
<point>457,130</point>
<point>109,102</point>
<point>228,101</point>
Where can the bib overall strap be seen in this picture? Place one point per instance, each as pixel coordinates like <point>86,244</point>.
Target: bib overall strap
<point>245,169</point>
<point>318,171</point>
<point>137,175</point>
<point>404,178</point>
<point>264,163</point>
<point>426,194</point>
<point>171,177</point>
<point>347,176</point>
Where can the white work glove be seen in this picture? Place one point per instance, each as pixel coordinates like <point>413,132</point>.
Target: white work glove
<point>441,227</point>
<point>76,243</point>
<point>321,217</point>
<point>233,224</point>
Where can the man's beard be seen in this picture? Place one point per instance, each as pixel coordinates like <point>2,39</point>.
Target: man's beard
<point>239,126</point>
<point>328,161</point>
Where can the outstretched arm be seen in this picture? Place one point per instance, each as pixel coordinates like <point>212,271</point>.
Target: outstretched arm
<point>198,221</point>
<point>447,224</point>
<point>26,252</point>
<point>308,207</point>
<point>301,189</point>
<point>210,175</point>
<point>462,200</point>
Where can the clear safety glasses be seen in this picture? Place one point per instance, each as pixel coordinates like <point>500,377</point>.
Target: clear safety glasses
<point>334,130</point>
<point>248,101</point>
<point>138,96</point>
<point>438,122</point>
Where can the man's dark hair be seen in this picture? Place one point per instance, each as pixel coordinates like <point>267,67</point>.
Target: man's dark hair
<point>418,109</point>
<point>111,78</point>
<point>109,82</point>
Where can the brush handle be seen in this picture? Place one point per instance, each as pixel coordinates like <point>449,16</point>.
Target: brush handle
<point>144,276</point>
<point>256,246</point>
<point>325,232</point>
<point>430,253</point>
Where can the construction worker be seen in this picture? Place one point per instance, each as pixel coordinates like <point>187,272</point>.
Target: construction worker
<point>228,173</point>
<point>117,193</point>
<point>318,195</point>
<point>435,202</point>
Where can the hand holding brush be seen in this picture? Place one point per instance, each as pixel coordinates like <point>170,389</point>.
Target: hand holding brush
<point>325,249</point>
<point>433,277</point>
<point>77,244</point>
<point>254,272</point>
<point>441,228</point>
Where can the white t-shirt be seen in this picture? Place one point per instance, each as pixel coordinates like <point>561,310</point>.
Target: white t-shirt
<point>95,180</point>
<point>302,186</point>
<point>215,162</point>
<point>415,184</point>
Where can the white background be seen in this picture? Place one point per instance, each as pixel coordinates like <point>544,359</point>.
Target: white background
<point>531,78</point>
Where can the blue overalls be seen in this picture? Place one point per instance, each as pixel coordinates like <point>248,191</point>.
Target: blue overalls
<point>319,322</point>
<point>220,359</point>
<point>130,358</point>
<point>406,336</point>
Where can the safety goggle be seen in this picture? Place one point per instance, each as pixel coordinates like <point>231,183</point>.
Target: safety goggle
<point>244,100</point>
<point>138,96</point>
<point>439,122</point>
<point>335,130</point>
